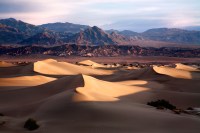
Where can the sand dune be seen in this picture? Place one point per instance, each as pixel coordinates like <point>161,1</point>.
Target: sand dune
<point>16,70</point>
<point>176,72</point>
<point>85,99</point>
<point>63,68</point>
<point>97,90</point>
<point>186,67</point>
<point>35,94</point>
<point>24,81</point>
<point>91,63</point>
<point>124,75</point>
<point>6,64</point>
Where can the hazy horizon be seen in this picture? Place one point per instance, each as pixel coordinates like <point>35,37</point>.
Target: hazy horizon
<point>135,15</point>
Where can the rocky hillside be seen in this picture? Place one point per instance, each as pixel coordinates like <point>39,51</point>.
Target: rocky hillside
<point>64,27</point>
<point>43,38</point>
<point>21,26</point>
<point>17,32</point>
<point>99,51</point>
<point>10,35</point>
<point>92,36</point>
<point>172,35</point>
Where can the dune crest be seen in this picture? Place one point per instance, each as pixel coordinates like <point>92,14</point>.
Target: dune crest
<point>176,73</point>
<point>85,99</point>
<point>186,67</point>
<point>98,90</point>
<point>25,80</point>
<point>91,63</point>
<point>53,67</point>
<point>6,64</point>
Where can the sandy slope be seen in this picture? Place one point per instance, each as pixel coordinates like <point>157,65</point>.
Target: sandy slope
<point>16,71</point>
<point>91,63</point>
<point>63,68</point>
<point>97,90</point>
<point>186,67</point>
<point>5,64</point>
<point>83,99</point>
<point>24,81</point>
<point>177,73</point>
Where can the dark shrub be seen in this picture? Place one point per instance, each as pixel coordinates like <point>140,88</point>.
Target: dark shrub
<point>2,123</point>
<point>162,104</point>
<point>1,114</point>
<point>160,107</point>
<point>31,124</point>
<point>190,108</point>
<point>177,111</point>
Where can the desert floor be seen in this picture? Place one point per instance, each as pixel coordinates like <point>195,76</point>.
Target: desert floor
<point>118,59</point>
<point>89,97</point>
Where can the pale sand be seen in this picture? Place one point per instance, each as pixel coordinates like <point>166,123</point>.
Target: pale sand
<point>24,81</point>
<point>92,64</point>
<point>177,73</point>
<point>64,97</point>
<point>52,67</point>
<point>98,90</point>
<point>186,67</point>
<point>6,64</point>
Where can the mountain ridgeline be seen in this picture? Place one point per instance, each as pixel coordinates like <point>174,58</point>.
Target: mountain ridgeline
<point>14,31</point>
<point>64,27</point>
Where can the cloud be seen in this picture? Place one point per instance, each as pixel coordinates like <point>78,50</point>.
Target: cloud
<point>118,14</point>
<point>19,6</point>
<point>138,25</point>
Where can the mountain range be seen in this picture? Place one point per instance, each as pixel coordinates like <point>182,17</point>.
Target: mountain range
<point>14,31</point>
<point>67,50</point>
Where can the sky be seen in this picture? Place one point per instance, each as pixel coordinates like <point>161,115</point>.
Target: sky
<point>136,15</point>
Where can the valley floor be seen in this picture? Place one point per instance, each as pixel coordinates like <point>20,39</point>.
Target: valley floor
<point>120,59</point>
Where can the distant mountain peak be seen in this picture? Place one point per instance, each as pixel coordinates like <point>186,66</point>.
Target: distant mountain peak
<point>95,27</point>
<point>64,27</point>
<point>15,31</point>
<point>93,36</point>
<point>12,19</point>
<point>43,38</point>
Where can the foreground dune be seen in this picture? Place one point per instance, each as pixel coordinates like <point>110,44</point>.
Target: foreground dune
<point>97,90</point>
<point>72,98</point>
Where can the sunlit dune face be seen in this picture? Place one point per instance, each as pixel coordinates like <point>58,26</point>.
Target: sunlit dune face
<point>53,67</point>
<point>176,73</point>
<point>97,90</point>
<point>185,67</point>
<point>25,81</point>
<point>133,82</point>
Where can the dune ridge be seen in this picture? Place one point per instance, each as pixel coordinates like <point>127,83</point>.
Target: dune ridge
<point>64,97</point>
<point>186,67</point>
<point>98,90</point>
<point>92,63</point>
<point>25,81</point>
<point>6,64</point>
<point>177,73</point>
<point>53,67</point>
